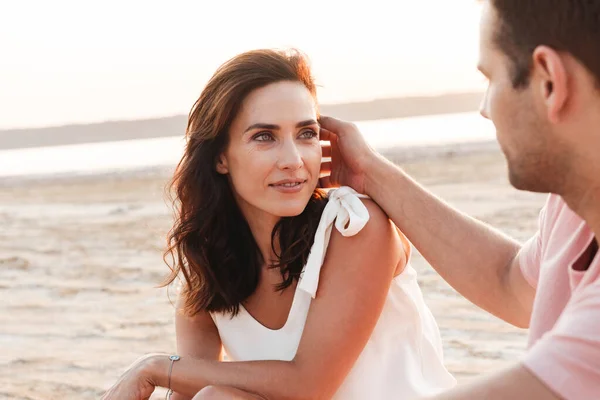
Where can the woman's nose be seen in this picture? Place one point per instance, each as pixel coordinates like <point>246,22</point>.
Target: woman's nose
<point>289,156</point>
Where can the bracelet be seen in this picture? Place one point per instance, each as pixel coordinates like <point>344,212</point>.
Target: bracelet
<point>173,358</point>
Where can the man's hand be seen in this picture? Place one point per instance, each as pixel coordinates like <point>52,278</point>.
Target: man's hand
<point>490,277</point>
<point>350,155</point>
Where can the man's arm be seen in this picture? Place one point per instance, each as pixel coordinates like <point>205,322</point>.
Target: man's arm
<point>478,261</point>
<point>516,383</point>
<point>564,363</point>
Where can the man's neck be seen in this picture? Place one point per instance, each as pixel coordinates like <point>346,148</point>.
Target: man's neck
<point>583,196</point>
<point>586,204</point>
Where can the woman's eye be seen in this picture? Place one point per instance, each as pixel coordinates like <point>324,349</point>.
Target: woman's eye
<point>308,134</point>
<point>263,137</point>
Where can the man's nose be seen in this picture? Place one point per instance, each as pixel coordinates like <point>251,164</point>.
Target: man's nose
<point>483,107</point>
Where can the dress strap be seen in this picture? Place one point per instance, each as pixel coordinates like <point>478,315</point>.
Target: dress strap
<point>350,216</point>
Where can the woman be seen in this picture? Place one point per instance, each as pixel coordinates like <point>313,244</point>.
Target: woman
<point>303,310</point>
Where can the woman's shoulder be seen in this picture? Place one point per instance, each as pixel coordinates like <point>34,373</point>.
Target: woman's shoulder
<point>379,234</point>
<point>381,224</point>
<point>376,214</point>
<point>371,253</point>
<point>376,219</point>
<point>377,227</point>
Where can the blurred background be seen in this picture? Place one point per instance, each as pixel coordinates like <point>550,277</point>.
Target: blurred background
<point>93,104</point>
<point>140,65</point>
<point>67,62</point>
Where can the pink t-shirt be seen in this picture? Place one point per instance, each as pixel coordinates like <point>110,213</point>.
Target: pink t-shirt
<point>564,337</point>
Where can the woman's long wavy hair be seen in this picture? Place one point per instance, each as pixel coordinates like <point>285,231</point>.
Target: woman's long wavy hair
<point>210,243</point>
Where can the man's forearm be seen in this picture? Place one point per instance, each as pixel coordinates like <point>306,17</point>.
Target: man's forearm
<point>471,256</point>
<point>515,383</point>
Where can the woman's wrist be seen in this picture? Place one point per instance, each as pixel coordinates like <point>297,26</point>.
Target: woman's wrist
<point>156,369</point>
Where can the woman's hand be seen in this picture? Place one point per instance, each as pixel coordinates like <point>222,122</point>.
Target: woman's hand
<point>136,383</point>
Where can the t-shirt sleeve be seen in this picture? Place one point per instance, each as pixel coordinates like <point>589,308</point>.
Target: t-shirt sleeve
<point>529,259</point>
<point>530,254</point>
<point>567,358</point>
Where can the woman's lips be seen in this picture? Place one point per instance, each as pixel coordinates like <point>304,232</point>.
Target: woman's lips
<point>289,186</point>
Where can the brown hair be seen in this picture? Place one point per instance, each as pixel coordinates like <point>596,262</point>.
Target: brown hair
<point>571,26</point>
<point>211,244</point>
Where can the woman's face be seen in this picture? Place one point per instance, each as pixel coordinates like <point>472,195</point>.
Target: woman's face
<point>273,157</point>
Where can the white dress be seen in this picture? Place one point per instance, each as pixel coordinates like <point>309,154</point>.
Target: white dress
<point>403,358</point>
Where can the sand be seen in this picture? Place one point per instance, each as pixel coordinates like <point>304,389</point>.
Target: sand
<point>80,259</point>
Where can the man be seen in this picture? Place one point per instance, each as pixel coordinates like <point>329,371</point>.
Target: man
<point>542,60</point>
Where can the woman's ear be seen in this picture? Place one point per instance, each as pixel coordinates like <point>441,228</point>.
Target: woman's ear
<point>222,167</point>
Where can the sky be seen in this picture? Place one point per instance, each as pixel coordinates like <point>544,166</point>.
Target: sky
<point>67,62</point>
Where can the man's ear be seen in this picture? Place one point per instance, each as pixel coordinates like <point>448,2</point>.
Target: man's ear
<point>222,166</point>
<point>554,85</point>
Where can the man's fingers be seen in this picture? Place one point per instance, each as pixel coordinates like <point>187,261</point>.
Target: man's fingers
<point>333,125</point>
<point>325,135</point>
<point>326,149</point>
<point>329,123</point>
<point>326,182</point>
<point>328,136</point>
<point>326,167</point>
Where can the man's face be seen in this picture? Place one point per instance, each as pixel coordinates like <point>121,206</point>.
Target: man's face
<point>518,114</point>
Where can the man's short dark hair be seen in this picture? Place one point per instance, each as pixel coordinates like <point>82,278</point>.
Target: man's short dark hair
<point>571,26</point>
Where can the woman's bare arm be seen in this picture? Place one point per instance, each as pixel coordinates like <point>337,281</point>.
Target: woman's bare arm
<point>340,321</point>
<point>197,337</point>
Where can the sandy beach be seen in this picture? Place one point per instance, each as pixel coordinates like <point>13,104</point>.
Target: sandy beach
<point>80,259</point>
